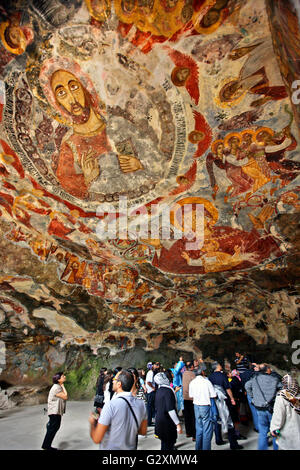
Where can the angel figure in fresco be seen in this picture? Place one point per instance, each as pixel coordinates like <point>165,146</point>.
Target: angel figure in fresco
<point>221,248</point>
<point>200,136</point>
<point>85,148</point>
<point>254,75</point>
<point>185,73</point>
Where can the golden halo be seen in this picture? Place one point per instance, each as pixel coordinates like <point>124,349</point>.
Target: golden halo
<point>248,131</point>
<point>211,209</point>
<point>232,134</point>
<point>210,29</point>
<point>261,129</point>
<point>17,50</point>
<point>7,158</point>
<point>215,144</point>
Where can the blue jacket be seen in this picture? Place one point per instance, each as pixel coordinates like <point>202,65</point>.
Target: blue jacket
<point>177,381</point>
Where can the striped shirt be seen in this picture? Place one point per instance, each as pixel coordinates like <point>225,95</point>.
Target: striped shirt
<point>243,364</point>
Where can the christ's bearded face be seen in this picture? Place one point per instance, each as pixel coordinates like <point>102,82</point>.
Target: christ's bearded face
<point>70,94</point>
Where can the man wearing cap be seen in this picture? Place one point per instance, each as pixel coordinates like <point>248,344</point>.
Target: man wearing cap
<point>201,391</point>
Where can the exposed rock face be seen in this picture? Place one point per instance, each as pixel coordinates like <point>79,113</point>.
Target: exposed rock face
<point>108,127</point>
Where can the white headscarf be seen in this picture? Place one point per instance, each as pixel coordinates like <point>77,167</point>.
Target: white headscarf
<point>161,379</point>
<point>291,392</point>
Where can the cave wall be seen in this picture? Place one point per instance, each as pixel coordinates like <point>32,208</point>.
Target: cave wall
<point>111,112</point>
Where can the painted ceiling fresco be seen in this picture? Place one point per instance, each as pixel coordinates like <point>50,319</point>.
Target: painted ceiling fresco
<point>156,103</point>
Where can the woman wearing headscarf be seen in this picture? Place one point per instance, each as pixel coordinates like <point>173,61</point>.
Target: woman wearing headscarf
<point>285,423</point>
<point>167,423</point>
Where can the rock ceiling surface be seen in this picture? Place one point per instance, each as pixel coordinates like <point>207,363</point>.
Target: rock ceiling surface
<point>115,113</point>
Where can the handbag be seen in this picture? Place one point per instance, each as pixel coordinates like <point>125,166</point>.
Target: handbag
<point>98,400</point>
<point>269,405</point>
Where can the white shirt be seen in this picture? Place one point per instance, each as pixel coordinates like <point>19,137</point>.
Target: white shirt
<point>201,390</point>
<point>106,393</point>
<point>150,378</point>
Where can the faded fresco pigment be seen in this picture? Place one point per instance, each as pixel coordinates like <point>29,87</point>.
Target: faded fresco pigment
<point>157,103</point>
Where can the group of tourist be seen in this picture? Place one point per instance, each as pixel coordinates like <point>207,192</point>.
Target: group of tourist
<point>209,402</point>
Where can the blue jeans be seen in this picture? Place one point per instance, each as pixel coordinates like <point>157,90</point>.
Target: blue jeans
<point>264,419</point>
<point>253,412</point>
<point>204,427</point>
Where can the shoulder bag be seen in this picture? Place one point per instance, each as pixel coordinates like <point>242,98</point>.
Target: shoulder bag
<point>98,400</point>
<point>268,404</point>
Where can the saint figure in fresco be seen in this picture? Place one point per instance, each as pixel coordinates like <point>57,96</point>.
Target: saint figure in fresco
<point>80,155</point>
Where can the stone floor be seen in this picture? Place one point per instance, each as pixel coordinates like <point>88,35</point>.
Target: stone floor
<point>23,428</point>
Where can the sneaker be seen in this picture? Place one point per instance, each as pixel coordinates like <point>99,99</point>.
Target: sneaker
<point>238,447</point>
